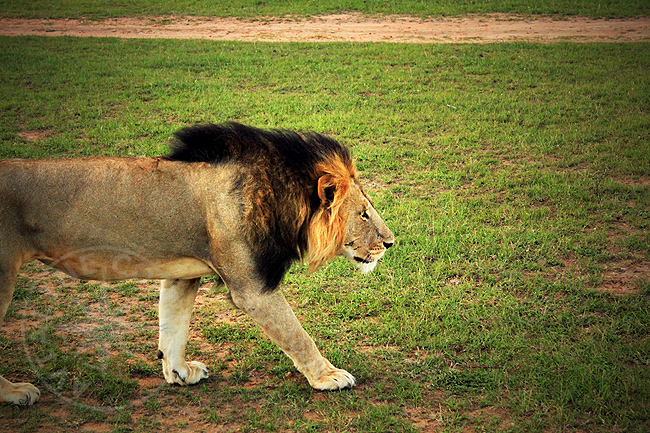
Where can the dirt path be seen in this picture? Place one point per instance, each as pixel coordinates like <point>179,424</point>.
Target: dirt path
<point>347,27</point>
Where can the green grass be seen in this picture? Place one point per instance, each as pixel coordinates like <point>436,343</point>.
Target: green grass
<point>516,178</point>
<point>277,8</point>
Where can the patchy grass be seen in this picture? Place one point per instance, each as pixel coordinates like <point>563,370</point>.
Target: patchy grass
<point>516,178</point>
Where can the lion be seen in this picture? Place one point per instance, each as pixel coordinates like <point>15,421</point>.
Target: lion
<point>229,200</point>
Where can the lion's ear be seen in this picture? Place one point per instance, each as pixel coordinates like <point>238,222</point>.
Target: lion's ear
<point>332,190</point>
<point>328,224</point>
<point>326,189</point>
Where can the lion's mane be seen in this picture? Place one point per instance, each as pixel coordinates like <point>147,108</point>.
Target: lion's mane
<point>291,188</point>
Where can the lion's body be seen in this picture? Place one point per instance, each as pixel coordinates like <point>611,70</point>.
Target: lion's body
<point>161,216</point>
<point>230,200</point>
<point>56,222</point>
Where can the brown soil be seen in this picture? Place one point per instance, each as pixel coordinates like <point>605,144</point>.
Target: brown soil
<point>624,276</point>
<point>345,27</point>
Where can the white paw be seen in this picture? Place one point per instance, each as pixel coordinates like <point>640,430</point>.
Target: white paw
<point>185,374</point>
<point>22,394</point>
<point>334,379</point>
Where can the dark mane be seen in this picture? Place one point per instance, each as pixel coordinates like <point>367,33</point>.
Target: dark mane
<point>279,169</point>
<point>234,142</point>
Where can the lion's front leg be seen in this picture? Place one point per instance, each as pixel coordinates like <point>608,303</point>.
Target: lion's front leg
<point>175,310</point>
<point>273,313</point>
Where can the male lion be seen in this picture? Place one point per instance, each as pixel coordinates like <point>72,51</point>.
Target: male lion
<point>230,200</point>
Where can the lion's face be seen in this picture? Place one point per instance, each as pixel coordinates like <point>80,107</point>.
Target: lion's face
<point>346,223</point>
<point>367,237</point>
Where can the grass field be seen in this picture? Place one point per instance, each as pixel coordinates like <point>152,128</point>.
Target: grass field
<point>267,8</point>
<point>516,178</point>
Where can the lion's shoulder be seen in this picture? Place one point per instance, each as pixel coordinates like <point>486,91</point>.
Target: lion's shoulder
<point>291,186</point>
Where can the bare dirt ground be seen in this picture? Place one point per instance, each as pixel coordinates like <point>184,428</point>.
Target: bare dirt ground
<point>345,28</point>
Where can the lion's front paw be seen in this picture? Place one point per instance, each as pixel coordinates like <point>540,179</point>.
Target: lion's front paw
<point>185,374</point>
<point>333,380</point>
<point>21,393</point>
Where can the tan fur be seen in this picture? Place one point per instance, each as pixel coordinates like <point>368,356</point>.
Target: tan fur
<point>154,218</point>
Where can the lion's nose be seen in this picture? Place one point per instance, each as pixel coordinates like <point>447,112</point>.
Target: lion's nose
<point>388,245</point>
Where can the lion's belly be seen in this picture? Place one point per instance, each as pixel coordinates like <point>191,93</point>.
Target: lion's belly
<point>93,264</point>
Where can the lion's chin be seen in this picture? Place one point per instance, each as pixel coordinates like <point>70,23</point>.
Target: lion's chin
<point>365,266</point>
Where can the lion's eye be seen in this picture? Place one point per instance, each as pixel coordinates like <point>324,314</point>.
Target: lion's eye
<point>364,215</point>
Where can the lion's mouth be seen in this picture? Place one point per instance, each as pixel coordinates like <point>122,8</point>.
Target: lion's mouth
<point>362,260</point>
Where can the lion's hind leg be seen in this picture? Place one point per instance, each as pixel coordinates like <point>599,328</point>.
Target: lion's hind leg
<point>175,310</point>
<point>17,393</point>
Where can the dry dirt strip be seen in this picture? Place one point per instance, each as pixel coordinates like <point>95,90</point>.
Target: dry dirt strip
<point>345,28</point>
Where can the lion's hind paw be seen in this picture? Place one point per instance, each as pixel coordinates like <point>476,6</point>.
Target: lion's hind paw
<point>334,380</point>
<point>24,394</point>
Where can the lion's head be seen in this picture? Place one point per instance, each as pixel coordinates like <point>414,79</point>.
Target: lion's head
<point>299,193</point>
<point>346,223</point>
